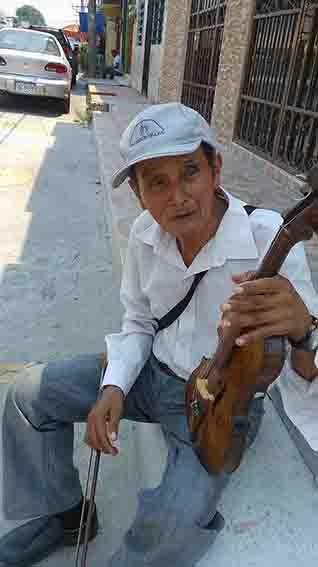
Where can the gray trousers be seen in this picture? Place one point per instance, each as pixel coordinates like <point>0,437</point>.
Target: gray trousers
<point>170,527</point>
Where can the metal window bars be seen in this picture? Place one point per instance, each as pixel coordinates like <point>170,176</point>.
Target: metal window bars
<point>140,21</point>
<point>278,114</point>
<point>157,21</point>
<point>204,45</point>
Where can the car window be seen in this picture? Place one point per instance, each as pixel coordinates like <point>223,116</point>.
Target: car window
<point>61,38</point>
<point>65,39</point>
<point>52,48</point>
<point>28,41</point>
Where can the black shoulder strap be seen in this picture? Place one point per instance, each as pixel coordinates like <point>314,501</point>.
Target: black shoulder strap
<point>249,209</point>
<point>176,311</point>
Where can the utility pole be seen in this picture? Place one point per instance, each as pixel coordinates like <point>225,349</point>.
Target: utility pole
<point>92,39</point>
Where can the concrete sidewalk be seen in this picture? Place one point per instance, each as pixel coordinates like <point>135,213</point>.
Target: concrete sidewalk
<point>270,507</point>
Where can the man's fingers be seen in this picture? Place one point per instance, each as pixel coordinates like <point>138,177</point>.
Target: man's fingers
<point>96,435</point>
<point>243,277</point>
<point>91,437</point>
<point>262,319</point>
<point>114,420</point>
<point>259,303</point>
<point>263,286</point>
<point>113,439</point>
<point>113,426</point>
<point>279,319</point>
<point>265,307</point>
<point>261,333</point>
<point>103,421</point>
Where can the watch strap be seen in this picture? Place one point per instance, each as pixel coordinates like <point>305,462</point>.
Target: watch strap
<point>302,344</point>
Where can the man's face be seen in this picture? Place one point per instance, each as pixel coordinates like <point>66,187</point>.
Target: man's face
<point>179,192</point>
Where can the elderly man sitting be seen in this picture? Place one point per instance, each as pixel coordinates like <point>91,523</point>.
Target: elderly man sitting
<point>189,225</point>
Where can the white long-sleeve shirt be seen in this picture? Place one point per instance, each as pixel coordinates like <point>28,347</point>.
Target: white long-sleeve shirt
<point>155,279</point>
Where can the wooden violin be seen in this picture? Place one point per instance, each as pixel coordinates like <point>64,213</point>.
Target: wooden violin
<point>220,390</point>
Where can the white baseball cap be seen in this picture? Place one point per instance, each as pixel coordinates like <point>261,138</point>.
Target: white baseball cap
<point>162,130</point>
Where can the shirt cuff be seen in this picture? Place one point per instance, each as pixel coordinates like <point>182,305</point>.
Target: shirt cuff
<point>300,402</point>
<point>116,375</point>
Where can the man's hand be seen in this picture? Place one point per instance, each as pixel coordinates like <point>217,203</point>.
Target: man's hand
<point>103,421</point>
<point>264,308</point>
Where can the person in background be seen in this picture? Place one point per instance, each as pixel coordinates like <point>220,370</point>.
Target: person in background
<point>113,69</point>
<point>116,61</point>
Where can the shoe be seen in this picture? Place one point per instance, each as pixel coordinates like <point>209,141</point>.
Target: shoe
<point>35,540</point>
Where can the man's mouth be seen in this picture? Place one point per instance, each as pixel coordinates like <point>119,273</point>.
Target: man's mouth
<point>183,215</point>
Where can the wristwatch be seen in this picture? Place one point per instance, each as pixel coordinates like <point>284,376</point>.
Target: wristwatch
<point>309,342</point>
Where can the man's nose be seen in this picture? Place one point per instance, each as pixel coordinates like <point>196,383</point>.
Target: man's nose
<point>178,193</point>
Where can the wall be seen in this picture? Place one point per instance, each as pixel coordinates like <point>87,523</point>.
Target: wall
<point>154,73</point>
<point>137,66</point>
<point>174,49</point>
<point>137,61</point>
<point>236,39</point>
<point>166,60</point>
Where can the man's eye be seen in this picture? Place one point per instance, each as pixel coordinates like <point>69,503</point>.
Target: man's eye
<point>158,184</point>
<point>191,170</point>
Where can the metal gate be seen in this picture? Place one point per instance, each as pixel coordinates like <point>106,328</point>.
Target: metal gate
<point>203,54</point>
<point>148,34</point>
<point>278,115</point>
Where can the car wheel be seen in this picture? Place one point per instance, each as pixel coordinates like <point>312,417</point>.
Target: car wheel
<point>67,105</point>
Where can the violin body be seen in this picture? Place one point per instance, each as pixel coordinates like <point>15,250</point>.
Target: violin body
<point>218,416</point>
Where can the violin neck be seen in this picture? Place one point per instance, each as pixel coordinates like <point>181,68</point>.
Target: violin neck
<point>276,255</point>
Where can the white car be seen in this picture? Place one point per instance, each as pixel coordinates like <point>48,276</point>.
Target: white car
<point>34,63</point>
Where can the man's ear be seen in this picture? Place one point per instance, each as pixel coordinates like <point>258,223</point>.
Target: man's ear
<point>218,164</point>
<point>218,168</point>
<point>133,185</point>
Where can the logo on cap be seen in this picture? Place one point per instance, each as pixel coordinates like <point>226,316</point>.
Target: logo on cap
<point>145,130</point>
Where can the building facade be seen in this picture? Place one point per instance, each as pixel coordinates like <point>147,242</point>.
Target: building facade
<point>250,66</point>
<point>159,43</point>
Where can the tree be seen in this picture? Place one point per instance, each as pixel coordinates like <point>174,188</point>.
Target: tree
<point>31,15</point>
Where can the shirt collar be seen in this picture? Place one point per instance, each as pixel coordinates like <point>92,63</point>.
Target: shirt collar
<point>233,240</point>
